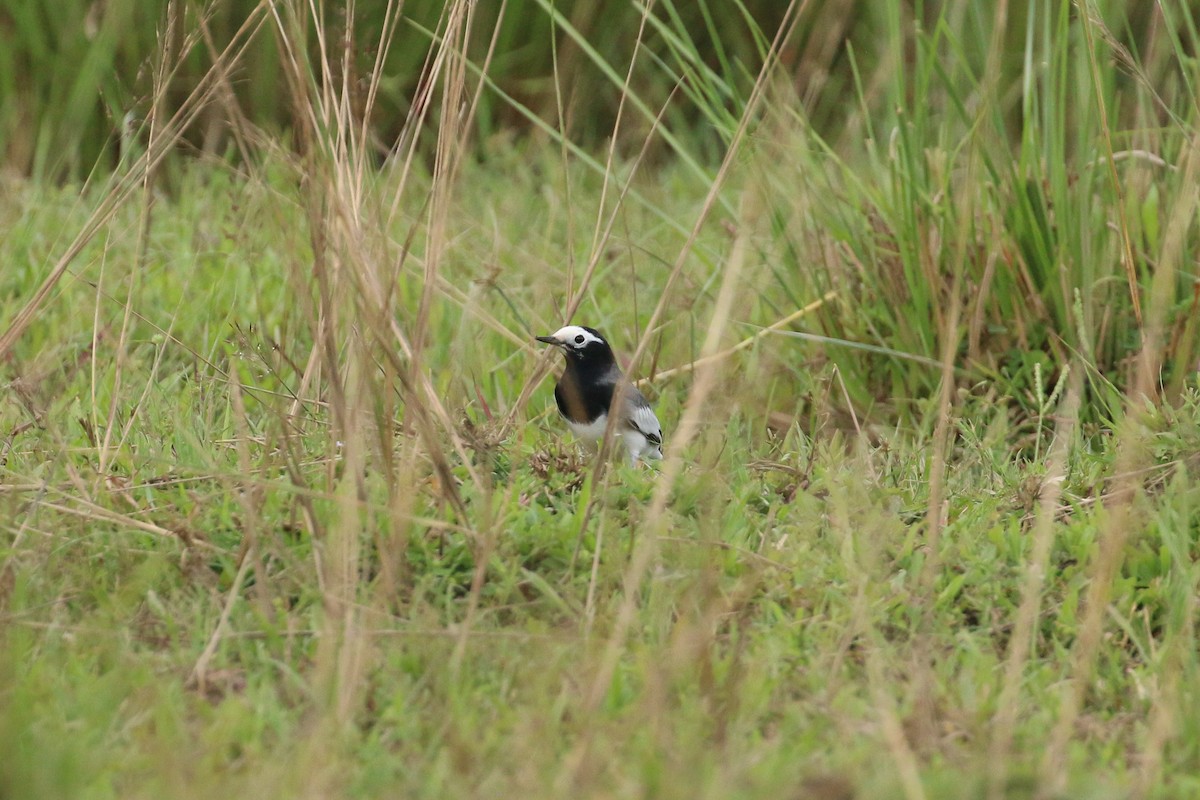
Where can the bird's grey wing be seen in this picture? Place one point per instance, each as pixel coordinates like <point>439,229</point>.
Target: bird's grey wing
<point>640,415</point>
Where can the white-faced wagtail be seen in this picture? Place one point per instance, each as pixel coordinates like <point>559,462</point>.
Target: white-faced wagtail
<point>586,389</point>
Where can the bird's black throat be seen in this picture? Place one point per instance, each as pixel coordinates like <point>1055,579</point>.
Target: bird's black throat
<point>585,390</point>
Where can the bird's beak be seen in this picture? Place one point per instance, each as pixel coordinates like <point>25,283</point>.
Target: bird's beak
<point>549,340</point>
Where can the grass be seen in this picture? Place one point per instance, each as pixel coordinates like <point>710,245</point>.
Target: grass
<point>289,513</point>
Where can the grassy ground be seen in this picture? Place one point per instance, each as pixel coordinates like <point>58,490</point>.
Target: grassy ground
<point>287,510</point>
<point>197,600</point>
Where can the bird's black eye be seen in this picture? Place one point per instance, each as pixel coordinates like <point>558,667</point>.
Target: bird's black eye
<point>579,339</point>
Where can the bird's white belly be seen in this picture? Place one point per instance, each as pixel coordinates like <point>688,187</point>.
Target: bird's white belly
<point>590,432</point>
<point>635,443</point>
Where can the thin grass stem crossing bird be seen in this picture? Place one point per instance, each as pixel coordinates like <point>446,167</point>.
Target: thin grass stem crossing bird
<point>588,387</point>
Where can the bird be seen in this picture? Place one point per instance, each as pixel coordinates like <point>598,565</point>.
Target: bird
<point>585,392</point>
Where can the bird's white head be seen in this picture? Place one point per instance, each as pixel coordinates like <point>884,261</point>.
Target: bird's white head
<point>574,337</point>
